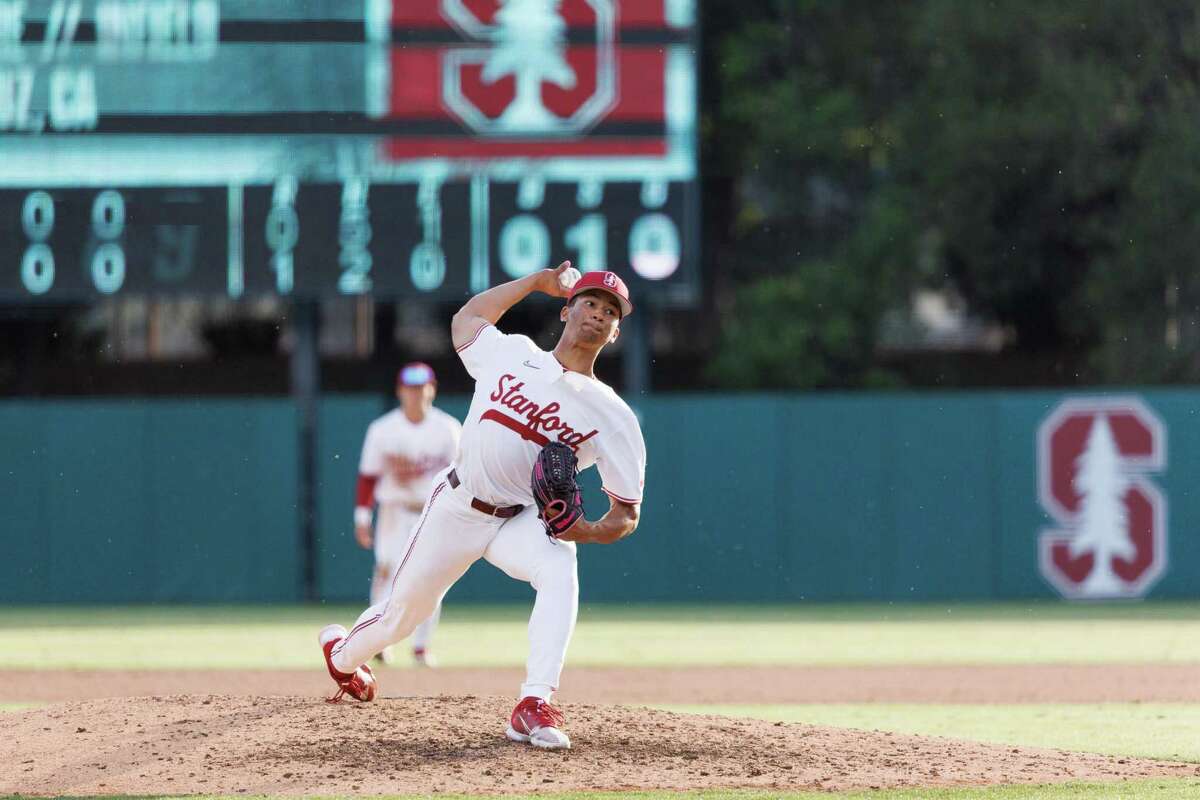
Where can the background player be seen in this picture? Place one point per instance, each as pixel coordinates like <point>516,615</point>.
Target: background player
<point>483,506</point>
<point>403,450</point>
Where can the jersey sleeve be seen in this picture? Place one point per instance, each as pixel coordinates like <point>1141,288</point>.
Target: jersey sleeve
<point>489,350</point>
<point>371,460</point>
<point>621,460</point>
<point>482,350</point>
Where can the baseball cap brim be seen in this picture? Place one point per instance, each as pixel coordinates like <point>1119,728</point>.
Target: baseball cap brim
<point>622,303</point>
<point>415,375</point>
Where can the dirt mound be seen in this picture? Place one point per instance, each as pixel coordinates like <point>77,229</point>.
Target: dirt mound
<point>292,745</point>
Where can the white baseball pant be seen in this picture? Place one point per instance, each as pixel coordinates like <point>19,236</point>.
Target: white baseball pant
<point>394,526</point>
<point>448,538</point>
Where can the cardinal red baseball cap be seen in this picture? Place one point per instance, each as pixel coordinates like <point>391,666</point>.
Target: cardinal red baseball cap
<point>416,373</point>
<point>605,282</point>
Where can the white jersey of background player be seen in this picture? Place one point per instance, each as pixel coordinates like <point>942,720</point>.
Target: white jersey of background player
<point>403,451</point>
<point>483,505</point>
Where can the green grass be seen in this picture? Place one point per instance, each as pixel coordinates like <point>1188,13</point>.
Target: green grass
<point>19,706</point>
<point>272,637</point>
<point>282,637</point>
<point>41,615</point>
<point>1159,789</point>
<point>1150,730</point>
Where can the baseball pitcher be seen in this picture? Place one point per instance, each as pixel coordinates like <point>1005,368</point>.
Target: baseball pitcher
<point>403,451</point>
<point>511,496</point>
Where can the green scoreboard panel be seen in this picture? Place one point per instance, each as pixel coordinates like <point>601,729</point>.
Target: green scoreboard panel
<point>397,148</point>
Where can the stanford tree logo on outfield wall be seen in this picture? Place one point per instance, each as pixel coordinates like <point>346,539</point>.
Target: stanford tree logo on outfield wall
<point>1095,456</point>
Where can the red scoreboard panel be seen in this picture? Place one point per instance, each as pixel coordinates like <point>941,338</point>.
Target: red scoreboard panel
<point>601,90</point>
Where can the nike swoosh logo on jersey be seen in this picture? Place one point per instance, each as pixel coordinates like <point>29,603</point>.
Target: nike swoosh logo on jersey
<point>531,366</point>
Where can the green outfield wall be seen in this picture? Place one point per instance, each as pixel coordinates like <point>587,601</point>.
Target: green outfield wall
<point>757,498</point>
<point>148,500</point>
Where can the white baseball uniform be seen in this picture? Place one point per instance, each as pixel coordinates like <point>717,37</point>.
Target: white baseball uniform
<point>430,445</point>
<point>523,399</point>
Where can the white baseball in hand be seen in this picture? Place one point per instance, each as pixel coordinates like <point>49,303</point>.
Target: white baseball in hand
<point>568,278</point>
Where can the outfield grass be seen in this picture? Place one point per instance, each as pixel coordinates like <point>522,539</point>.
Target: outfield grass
<point>274,637</point>
<point>1147,730</point>
<point>281,637</point>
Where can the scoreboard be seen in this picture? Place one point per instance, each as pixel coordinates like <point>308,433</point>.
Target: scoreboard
<point>307,148</point>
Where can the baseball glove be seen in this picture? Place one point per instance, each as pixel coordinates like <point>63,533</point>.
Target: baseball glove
<point>555,489</point>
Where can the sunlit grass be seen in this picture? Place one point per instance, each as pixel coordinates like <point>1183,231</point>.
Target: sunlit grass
<point>18,706</point>
<point>282,637</point>
<point>1146,730</point>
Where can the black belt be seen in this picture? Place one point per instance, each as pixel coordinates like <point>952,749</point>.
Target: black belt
<point>503,512</point>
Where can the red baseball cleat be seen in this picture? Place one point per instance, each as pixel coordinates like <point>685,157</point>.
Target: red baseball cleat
<point>539,723</point>
<point>359,684</point>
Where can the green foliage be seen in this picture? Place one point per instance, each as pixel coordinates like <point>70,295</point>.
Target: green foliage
<point>1024,136</point>
<point>792,331</point>
<point>803,112</point>
<point>1043,160</point>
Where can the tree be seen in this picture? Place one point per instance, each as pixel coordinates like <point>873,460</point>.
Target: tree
<point>1046,156</point>
<point>1053,149</point>
<point>822,242</point>
<point>816,323</point>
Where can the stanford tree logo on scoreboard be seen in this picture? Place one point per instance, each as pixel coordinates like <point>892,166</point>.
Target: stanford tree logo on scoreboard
<point>522,78</point>
<point>536,78</point>
<point>1095,456</point>
<point>444,146</point>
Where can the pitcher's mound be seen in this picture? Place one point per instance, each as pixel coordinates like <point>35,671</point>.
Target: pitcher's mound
<point>292,745</point>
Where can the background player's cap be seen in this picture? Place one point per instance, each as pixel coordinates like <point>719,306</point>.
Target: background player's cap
<point>605,282</point>
<point>417,373</point>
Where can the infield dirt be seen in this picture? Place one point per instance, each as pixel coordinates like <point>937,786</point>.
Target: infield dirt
<point>300,745</point>
<point>227,732</point>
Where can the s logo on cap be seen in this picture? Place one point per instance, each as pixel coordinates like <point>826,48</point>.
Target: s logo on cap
<point>606,282</point>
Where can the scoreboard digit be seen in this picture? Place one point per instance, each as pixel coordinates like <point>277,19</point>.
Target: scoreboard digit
<point>267,147</point>
<point>80,244</point>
